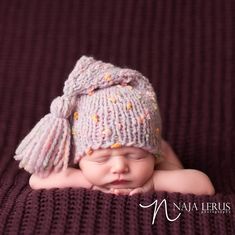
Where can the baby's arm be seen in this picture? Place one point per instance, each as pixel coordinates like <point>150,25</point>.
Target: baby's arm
<point>70,177</point>
<point>170,176</point>
<point>183,181</point>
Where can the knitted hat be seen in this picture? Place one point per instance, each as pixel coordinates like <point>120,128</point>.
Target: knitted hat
<point>103,106</point>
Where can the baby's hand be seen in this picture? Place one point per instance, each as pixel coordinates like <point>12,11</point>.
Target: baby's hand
<point>117,191</point>
<point>147,187</point>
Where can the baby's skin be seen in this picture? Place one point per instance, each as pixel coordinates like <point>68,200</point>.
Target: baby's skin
<point>128,171</point>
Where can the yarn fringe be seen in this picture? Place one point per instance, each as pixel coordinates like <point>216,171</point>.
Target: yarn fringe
<point>47,147</point>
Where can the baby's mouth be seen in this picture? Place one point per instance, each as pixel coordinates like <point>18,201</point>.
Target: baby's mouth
<point>117,182</point>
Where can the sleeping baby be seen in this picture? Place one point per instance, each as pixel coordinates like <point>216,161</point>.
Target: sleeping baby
<point>104,134</point>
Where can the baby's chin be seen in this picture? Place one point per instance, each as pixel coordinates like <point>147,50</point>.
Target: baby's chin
<point>127,185</point>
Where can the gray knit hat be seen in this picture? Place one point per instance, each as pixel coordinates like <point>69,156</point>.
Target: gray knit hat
<point>103,106</point>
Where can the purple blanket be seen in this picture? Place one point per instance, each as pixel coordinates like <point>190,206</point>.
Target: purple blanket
<point>185,48</point>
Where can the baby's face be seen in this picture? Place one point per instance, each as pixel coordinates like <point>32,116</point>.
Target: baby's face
<point>126,167</point>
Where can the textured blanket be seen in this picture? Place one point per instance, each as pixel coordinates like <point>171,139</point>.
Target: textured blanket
<point>185,48</point>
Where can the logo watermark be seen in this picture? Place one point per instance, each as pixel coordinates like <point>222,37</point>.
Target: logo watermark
<point>179,208</point>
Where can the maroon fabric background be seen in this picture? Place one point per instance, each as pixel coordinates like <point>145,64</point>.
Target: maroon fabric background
<point>186,49</point>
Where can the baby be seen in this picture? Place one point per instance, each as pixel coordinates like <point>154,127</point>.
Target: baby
<point>113,135</point>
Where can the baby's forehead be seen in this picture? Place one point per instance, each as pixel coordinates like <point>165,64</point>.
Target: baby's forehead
<point>119,151</point>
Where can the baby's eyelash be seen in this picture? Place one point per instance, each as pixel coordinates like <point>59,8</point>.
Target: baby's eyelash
<point>135,156</point>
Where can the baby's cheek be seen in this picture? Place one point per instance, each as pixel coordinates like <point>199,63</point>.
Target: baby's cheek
<point>96,175</point>
<point>144,173</point>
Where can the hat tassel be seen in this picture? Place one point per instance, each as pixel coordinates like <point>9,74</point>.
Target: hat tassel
<point>47,146</point>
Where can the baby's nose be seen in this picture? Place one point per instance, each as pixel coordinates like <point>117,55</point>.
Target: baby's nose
<point>119,165</point>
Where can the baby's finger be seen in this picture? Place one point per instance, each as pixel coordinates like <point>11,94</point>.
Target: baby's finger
<point>125,191</point>
<point>135,191</point>
<point>104,190</point>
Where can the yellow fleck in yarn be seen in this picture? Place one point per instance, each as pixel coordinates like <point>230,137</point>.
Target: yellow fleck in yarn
<point>75,116</point>
<point>89,151</point>
<point>95,118</point>
<point>129,106</point>
<point>107,77</point>
<point>112,99</point>
<point>116,145</point>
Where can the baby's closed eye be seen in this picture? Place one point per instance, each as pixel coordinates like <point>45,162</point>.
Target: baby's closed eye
<point>99,159</point>
<point>134,156</point>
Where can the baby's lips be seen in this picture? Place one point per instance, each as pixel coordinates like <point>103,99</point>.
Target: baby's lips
<point>116,182</point>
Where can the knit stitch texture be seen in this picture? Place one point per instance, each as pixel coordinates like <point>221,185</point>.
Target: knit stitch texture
<point>185,48</point>
<point>115,107</point>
